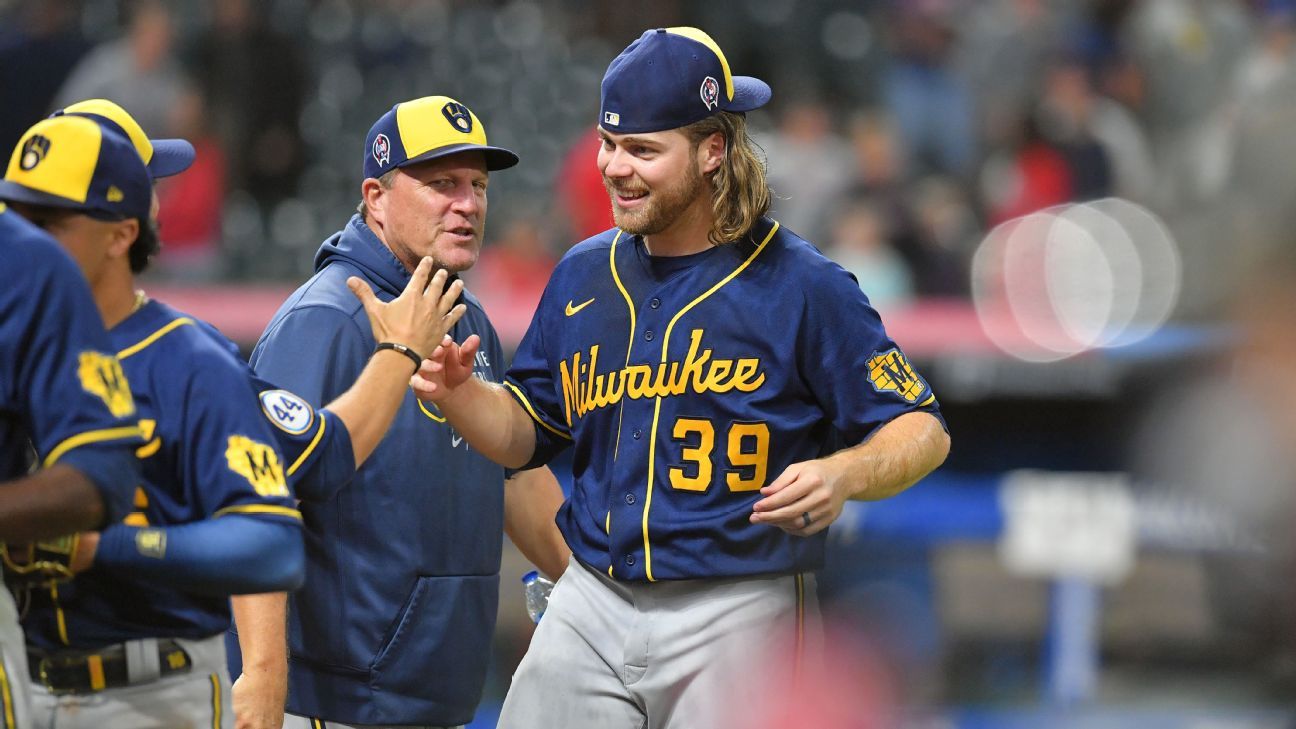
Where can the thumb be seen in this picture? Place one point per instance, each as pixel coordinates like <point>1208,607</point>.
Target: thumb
<point>468,350</point>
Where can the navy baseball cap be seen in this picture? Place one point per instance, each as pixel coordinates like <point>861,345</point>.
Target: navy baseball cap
<point>72,162</point>
<point>670,78</point>
<point>428,128</point>
<point>163,157</point>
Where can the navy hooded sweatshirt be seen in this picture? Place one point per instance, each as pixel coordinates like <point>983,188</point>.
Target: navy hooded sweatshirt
<point>402,580</point>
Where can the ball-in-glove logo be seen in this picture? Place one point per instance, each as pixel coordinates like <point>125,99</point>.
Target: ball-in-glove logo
<point>382,150</point>
<point>33,151</point>
<point>458,116</point>
<point>258,463</point>
<point>101,375</point>
<point>890,372</point>
<point>710,93</point>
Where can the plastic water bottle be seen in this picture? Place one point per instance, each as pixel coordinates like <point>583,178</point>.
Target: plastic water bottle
<point>537,594</point>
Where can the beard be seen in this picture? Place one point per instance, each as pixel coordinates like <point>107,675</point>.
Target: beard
<point>661,208</point>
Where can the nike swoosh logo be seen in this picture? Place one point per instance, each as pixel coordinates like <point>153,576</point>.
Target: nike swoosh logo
<point>455,441</point>
<point>571,310</point>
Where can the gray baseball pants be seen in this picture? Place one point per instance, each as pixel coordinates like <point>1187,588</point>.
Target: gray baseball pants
<point>664,655</point>
<point>196,699</point>
<point>15,683</point>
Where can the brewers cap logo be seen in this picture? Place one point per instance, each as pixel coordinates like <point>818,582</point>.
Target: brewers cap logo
<point>288,412</point>
<point>458,116</point>
<point>710,92</point>
<point>382,150</point>
<point>33,151</point>
<point>891,372</point>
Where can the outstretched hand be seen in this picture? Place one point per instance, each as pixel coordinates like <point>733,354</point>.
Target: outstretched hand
<point>421,316</point>
<point>449,366</point>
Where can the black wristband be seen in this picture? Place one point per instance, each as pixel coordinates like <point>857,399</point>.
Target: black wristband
<point>414,356</point>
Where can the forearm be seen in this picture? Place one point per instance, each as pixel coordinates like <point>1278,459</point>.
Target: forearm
<point>223,556</point>
<point>261,690</point>
<point>51,502</point>
<point>531,500</point>
<point>261,621</point>
<point>898,455</point>
<point>369,406</point>
<point>492,421</point>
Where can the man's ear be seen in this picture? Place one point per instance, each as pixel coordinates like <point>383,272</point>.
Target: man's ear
<point>123,234</point>
<point>711,153</point>
<point>375,200</point>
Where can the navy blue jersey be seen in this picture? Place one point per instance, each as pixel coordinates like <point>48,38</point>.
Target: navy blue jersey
<point>62,391</point>
<point>316,445</point>
<point>210,451</point>
<point>688,383</point>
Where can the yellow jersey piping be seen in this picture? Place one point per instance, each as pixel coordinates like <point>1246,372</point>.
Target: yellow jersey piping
<point>150,339</point>
<point>91,436</point>
<point>616,278</point>
<point>319,434</point>
<point>652,443</point>
<point>527,404</point>
<point>269,509</point>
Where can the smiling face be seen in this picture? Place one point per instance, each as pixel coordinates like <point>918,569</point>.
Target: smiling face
<point>653,179</point>
<point>435,208</point>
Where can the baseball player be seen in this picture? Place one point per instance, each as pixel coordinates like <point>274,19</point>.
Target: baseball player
<point>724,388</point>
<point>63,393</point>
<point>339,438</point>
<point>138,639</point>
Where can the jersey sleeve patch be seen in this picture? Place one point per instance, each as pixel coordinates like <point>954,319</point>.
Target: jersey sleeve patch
<point>890,372</point>
<point>258,463</point>
<point>151,543</point>
<point>288,412</point>
<point>102,376</point>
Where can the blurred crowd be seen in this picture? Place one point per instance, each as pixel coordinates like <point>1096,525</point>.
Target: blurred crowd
<point>900,130</point>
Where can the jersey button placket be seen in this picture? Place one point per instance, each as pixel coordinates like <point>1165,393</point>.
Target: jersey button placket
<point>630,499</point>
<point>648,336</point>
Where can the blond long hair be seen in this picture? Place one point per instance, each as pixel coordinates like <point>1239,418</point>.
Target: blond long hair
<point>740,192</point>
